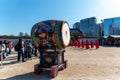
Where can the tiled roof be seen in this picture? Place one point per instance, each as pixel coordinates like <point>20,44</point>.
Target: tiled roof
<point>75,32</point>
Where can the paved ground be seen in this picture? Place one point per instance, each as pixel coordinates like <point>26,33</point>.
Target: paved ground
<point>92,64</point>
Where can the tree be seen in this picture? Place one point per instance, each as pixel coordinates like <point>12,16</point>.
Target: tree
<point>21,34</point>
<point>26,35</point>
<point>12,35</point>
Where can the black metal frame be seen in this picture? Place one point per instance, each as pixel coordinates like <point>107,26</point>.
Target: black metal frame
<point>56,54</point>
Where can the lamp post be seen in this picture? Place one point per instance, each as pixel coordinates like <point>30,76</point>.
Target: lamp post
<point>102,28</point>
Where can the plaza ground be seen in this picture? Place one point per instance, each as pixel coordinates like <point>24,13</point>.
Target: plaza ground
<point>91,64</point>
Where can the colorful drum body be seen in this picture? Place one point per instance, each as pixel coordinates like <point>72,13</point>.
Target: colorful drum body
<point>51,33</point>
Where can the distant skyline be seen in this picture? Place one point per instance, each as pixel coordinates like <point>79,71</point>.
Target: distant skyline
<point>20,15</point>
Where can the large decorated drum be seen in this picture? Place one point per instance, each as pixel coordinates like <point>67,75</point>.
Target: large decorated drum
<point>51,34</point>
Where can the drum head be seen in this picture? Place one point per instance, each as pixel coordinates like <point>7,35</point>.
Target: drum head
<point>65,34</point>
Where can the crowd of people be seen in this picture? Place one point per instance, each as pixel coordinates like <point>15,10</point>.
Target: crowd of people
<point>5,48</point>
<point>110,42</point>
<point>25,49</point>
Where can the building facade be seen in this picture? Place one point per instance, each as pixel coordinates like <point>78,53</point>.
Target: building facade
<point>112,26</point>
<point>76,25</point>
<point>98,30</point>
<point>89,27</point>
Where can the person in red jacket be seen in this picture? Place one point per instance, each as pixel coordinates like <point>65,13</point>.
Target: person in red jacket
<point>78,43</point>
<point>82,44</point>
<point>72,43</point>
<point>10,46</point>
<point>87,44</point>
<point>92,44</point>
<point>97,44</point>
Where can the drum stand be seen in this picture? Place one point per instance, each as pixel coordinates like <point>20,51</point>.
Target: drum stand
<point>52,60</point>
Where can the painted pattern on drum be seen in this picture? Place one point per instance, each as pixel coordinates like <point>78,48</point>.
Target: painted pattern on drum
<point>34,38</point>
<point>58,35</point>
<point>51,31</point>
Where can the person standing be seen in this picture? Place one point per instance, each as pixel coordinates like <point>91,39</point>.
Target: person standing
<point>87,44</point>
<point>78,44</point>
<point>34,50</point>
<point>82,44</point>
<point>5,43</point>
<point>2,49</point>
<point>97,44</point>
<point>27,49</point>
<point>20,51</point>
<point>92,44</point>
<point>10,46</point>
<point>35,53</point>
<point>30,45</point>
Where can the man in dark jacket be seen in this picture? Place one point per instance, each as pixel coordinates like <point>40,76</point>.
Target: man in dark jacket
<point>20,50</point>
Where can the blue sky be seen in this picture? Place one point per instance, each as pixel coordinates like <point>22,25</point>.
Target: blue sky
<point>20,15</point>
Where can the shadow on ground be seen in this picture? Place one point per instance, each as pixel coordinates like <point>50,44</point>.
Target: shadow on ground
<point>31,76</point>
<point>13,60</point>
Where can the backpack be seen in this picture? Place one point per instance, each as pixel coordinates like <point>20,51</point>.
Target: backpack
<point>17,47</point>
<point>28,47</point>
